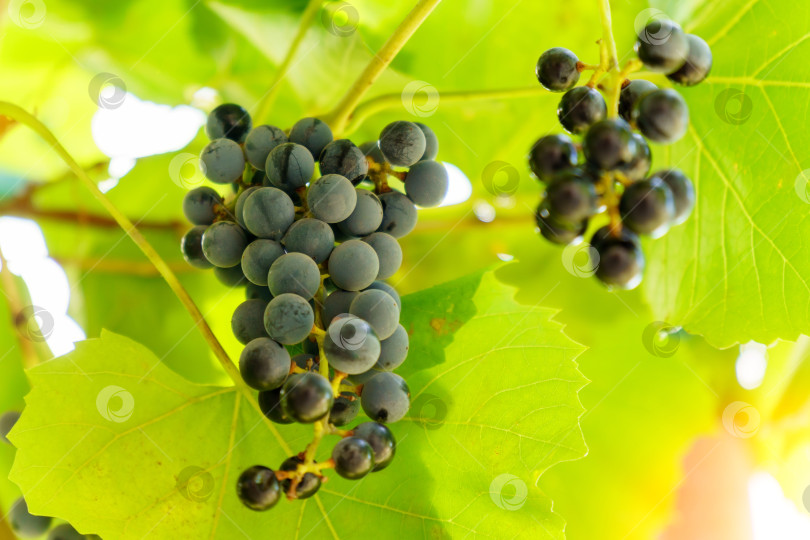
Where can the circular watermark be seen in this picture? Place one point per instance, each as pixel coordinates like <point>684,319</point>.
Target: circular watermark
<point>420,98</point>
<point>107,90</point>
<point>28,14</point>
<point>806,498</point>
<point>741,420</point>
<point>501,488</point>
<point>800,185</point>
<point>429,410</point>
<point>733,106</point>
<point>581,260</point>
<point>35,323</point>
<point>649,29</point>
<point>661,339</point>
<point>115,403</point>
<point>340,19</point>
<point>195,483</point>
<point>348,332</point>
<point>187,170</point>
<point>500,178</point>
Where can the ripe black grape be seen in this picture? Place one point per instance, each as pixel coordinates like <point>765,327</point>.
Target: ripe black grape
<point>264,364</point>
<point>683,193</point>
<point>306,397</point>
<point>630,94</point>
<point>223,244</point>
<point>191,246</point>
<point>344,158</point>
<point>260,142</point>
<point>354,458</point>
<point>431,142</point>
<point>621,261</point>
<point>228,120</point>
<point>288,319</point>
<point>609,143</point>
<point>386,397</point>
<point>698,63</point>
<point>268,213</point>
<point>402,143</point>
<point>366,216</point>
<point>222,161</point>
<point>639,166</point>
<point>312,237</point>
<point>345,409</point>
<point>662,46</point>
<point>289,166</point>
<point>312,133</point>
<point>393,350</point>
<point>270,404</point>
<point>662,116</point>
<point>309,484</point>
<point>426,183</point>
<point>399,214</point>
<point>350,345</point>
<point>381,440</point>
<point>378,309</point>
<point>552,154</point>
<point>336,304</point>
<point>353,265</point>
<point>558,232</point>
<point>331,198</point>
<point>571,197</point>
<point>200,204</point>
<point>389,253</point>
<point>383,286</point>
<point>247,321</point>
<point>258,488</point>
<point>580,108</point>
<point>230,277</point>
<point>557,69</point>
<point>648,207</point>
<point>294,273</point>
<point>257,258</point>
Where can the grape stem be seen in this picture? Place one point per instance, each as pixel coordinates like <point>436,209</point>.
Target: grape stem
<point>266,102</point>
<point>340,115</point>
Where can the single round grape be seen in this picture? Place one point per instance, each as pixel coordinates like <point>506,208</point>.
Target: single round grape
<point>264,364</point>
<point>230,121</point>
<point>312,237</point>
<point>260,142</point>
<point>199,205</point>
<point>257,292</point>
<point>580,108</point>
<point>7,421</point>
<point>639,166</point>
<point>309,484</point>
<point>336,304</point>
<point>294,273</point>
<point>383,286</point>
<point>191,246</point>
<point>402,143</point>
<point>393,350</point>
<point>345,409</point>
<point>366,216</point>
<point>258,488</point>
<point>648,207</point>
<point>312,133</point>
<point>268,213</point>
<point>557,69</point>
<point>288,319</point>
<point>331,198</point>
<point>350,345</point>
<point>621,261</point>
<point>552,154</point>
<point>306,397</point>
<point>662,46</point>
<point>223,244</point>
<point>363,378</point>
<point>399,214</point>
<point>386,398</point>
<point>257,258</point>
<point>25,524</point>
<point>289,166</point>
<point>698,63</point>
<point>571,197</point>
<point>431,142</point>
<point>230,277</point>
<point>344,158</point>
<point>247,322</point>
<point>353,265</point>
<point>270,404</point>
<point>65,531</point>
<point>609,143</point>
<point>683,193</point>
<point>379,310</point>
<point>662,116</point>
<point>353,457</point>
<point>389,253</point>
<point>630,94</point>
<point>371,149</point>
<point>222,161</point>
<point>239,208</point>
<point>381,440</point>
<point>426,183</point>
<point>557,232</point>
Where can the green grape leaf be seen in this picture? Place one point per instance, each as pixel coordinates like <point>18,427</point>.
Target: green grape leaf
<point>498,412</point>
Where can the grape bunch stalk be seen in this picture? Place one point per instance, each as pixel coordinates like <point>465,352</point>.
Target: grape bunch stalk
<point>319,324</point>
<point>608,170</point>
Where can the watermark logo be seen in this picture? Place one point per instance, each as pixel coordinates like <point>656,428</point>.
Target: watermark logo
<point>187,170</point>
<point>195,484</point>
<point>340,19</point>
<point>348,331</point>
<point>508,492</point>
<point>500,179</point>
<point>35,323</point>
<point>115,404</point>
<point>800,185</point>
<point>581,260</point>
<point>741,420</point>
<point>28,14</point>
<point>429,410</point>
<point>733,106</point>
<point>420,98</point>
<point>649,28</point>
<point>107,90</point>
<point>661,339</point>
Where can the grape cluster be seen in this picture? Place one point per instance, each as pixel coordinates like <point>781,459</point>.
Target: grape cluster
<point>609,169</point>
<point>319,324</point>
